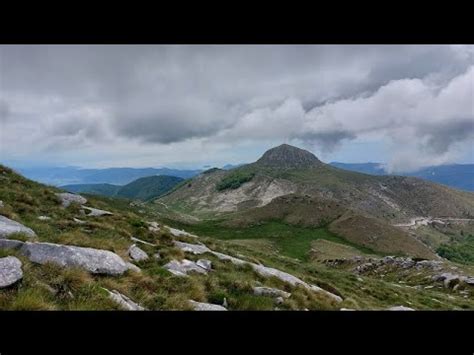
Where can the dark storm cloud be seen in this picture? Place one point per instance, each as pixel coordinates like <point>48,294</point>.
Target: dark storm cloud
<point>324,95</point>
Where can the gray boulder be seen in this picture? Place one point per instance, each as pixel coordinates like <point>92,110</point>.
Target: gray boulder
<point>200,306</point>
<point>10,271</point>
<point>123,301</point>
<point>183,267</point>
<point>271,292</point>
<point>205,264</point>
<point>192,248</point>
<point>96,261</point>
<point>10,244</point>
<point>8,226</point>
<point>133,267</point>
<point>95,212</point>
<point>68,198</point>
<point>136,253</point>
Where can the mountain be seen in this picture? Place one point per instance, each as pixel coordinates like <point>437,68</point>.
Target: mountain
<point>148,187</point>
<point>58,176</point>
<point>141,189</point>
<point>94,189</point>
<point>369,205</point>
<point>459,176</point>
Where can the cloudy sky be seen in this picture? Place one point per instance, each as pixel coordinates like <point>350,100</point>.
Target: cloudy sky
<point>189,106</point>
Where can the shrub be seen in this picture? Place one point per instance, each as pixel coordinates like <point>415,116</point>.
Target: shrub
<point>234,180</point>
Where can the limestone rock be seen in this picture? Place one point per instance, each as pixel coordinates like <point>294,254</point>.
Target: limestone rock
<point>272,292</point>
<point>10,271</point>
<point>183,267</point>
<point>205,264</point>
<point>200,306</point>
<point>180,233</point>
<point>78,221</point>
<point>123,301</point>
<point>136,253</point>
<point>8,226</point>
<point>133,267</point>
<point>157,256</point>
<point>94,212</point>
<point>68,198</point>
<point>153,226</point>
<point>44,218</point>
<point>2,204</point>
<point>192,248</point>
<point>96,261</point>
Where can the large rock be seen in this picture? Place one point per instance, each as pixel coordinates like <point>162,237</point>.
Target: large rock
<point>136,253</point>
<point>68,198</point>
<point>183,267</point>
<point>192,248</point>
<point>8,227</point>
<point>200,306</point>
<point>205,264</point>
<point>10,271</point>
<point>271,292</point>
<point>123,301</point>
<point>96,261</point>
<point>95,212</point>
<point>10,244</point>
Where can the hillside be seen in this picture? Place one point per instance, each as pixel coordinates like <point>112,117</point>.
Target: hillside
<point>284,170</point>
<point>93,189</point>
<point>141,189</point>
<point>459,176</point>
<point>65,252</point>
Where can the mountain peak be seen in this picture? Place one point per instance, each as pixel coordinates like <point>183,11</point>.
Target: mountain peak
<point>288,156</point>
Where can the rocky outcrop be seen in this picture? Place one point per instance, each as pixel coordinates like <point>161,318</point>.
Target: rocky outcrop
<point>8,227</point>
<point>10,244</point>
<point>183,267</point>
<point>68,198</point>
<point>192,248</point>
<point>271,292</point>
<point>123,301</point>
<point>205,264</point>
<point>136,253</point>
<point>200,306</point>
<point>96,261</point>
<point>10,271</point>
<point>95,212</point>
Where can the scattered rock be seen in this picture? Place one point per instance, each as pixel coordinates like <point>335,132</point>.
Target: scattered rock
<point>68,198</point>
<point>279,300</point>
<point>10,244</point>
<point>142,241</point>
<point>10,271</point>
<point>272,292</point>
<point>1,204</point>
<point>123,301</point>
<point>192,248</point>
<point>469,281</point>
<point>136,253</point>
<point>44,218</point>
<point>224,303</point>
<point>226,257</point>
<point>347,309</point>
<point>133,267</point>
<point>183,267</point>
<point>78,221</point>
<point>200,306</point>
<point>180,233</point>
<point>94,212</point>
<point>96,261</point>
<point>400,308</point>
<point>205,264</point>
<point>8,226</point>
<point>153,226</point>
<point>157,256</point>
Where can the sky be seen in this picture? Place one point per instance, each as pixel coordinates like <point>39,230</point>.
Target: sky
<point>191,106</point>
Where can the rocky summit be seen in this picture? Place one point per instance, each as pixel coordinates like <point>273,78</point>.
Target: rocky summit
<point>287,156</point>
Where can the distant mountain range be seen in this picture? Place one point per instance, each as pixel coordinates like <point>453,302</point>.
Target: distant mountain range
<point>58,176</point>
<point>459,176</point>
<point>143,189</point>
